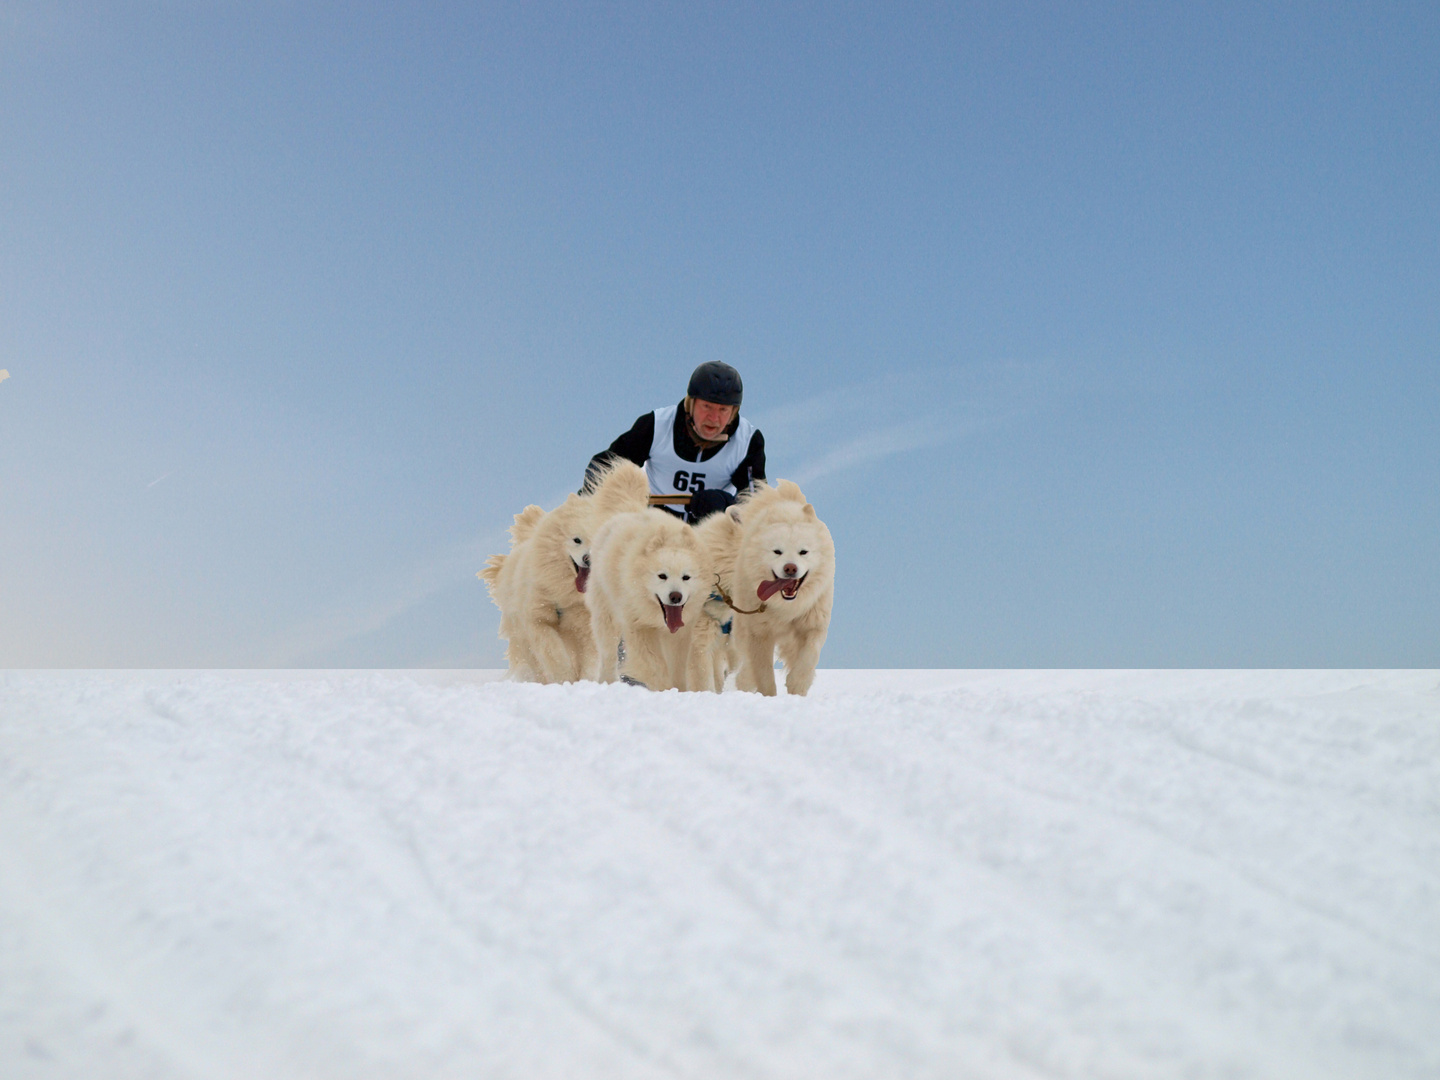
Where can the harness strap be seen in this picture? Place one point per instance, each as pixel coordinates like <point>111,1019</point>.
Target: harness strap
<point>720,594</point>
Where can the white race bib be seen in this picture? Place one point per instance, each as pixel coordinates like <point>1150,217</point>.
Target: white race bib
<point>670,474</point>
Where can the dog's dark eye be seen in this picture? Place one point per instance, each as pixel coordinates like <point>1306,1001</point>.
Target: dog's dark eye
<point>684,577</point>
<point>577,539</point>
<point>664,578</point>
<point>779,552</point>
<point>804,552</point>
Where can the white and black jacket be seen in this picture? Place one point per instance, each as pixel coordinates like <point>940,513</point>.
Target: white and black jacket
<point>639,442</point>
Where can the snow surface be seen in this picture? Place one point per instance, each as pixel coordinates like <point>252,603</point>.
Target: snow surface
<point>907,874</point>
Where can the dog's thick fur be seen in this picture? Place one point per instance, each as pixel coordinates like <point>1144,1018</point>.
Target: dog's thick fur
<point>771,549</point>
<point>645,562</point>
<point>719,534</point>
<point>540,585</point>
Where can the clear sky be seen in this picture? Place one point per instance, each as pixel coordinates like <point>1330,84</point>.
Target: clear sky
<point>1099,334</point>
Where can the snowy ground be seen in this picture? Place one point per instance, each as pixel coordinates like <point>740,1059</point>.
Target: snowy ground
<point>927,874</point>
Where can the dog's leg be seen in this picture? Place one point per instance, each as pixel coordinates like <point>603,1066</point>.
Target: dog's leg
<point>718,650</point>
<point>716,656</point>
<point>518,657</point>
<point>757,662</point>
<point>579,640</point>
<point>743,679</point>
<point>800,652</point>
<point>727,659</point>
<point>677,657</point>
<point>585,654</point>
<point>552,658</point>
<point>699,662</point>
<point>607,641</point>
<point>645,659</point>
<point>552,655</point>
<point>519,665</point>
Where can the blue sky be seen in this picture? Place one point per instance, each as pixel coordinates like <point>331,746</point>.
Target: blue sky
<point>1100,335</point>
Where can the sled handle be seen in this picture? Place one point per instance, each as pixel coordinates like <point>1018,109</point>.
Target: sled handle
<point>669,500</point>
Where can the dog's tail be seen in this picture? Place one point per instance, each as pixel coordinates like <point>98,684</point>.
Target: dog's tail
<point>622,487</point>
<point>491,574</point>
<point>525,523</point>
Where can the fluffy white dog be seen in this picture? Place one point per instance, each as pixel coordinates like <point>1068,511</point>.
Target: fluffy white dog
<point>650,581</point>
<point>540,585</point>
<point>776,563</point>
<point>719,534</point>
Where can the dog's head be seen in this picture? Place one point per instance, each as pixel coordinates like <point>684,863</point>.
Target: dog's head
<point>786,546</point>
<point>672,568</point>
<point>568,533</point>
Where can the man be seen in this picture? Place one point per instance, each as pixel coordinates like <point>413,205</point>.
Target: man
<point>701,448</point>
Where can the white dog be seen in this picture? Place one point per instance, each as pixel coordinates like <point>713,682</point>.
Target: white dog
<point>501,585</point>
<point>776,563</point>
<point>719,534</point>
<point>540,586</point>
<point>650,580</point>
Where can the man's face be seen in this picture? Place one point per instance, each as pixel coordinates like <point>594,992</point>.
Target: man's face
<point>711,419</point>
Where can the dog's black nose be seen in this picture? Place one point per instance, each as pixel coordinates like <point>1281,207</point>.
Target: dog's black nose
<point>791,569</point>
<point>586,560</point>
<point>676,598</point>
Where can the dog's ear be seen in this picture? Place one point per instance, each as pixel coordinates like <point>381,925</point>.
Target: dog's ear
<point>809,511</point>
<point>734,513</point>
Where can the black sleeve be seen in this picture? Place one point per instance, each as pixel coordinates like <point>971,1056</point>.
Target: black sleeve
<point>634,446</point>
<point>753,467</point>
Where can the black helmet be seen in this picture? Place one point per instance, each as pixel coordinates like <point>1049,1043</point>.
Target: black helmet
<point>717,382</point>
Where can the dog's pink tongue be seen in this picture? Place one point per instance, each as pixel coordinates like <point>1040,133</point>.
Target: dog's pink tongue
<point>769,588</point>
<point>673,616</point>
<point>581,578</point>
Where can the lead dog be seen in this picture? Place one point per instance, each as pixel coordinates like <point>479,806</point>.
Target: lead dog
<point>540,585</point>
<point>776,563</point>
<point>650,581</point>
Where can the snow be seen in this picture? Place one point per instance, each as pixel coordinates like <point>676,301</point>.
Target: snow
<point>906,874</point>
